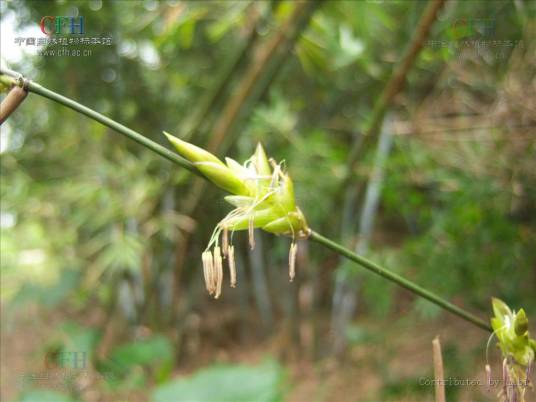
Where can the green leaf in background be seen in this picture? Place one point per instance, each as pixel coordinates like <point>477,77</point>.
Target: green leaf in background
<point>49,296</point>
<point>155,353</point>
<point>226,383</point>
<point>123,252</point>
<point>79,337</point>
<point>75,344</point>
<point>311,55</point>
<point>44,396</point>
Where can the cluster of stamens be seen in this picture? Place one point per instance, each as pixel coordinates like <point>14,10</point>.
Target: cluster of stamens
<point>515,381</point>
<point>213,260</point>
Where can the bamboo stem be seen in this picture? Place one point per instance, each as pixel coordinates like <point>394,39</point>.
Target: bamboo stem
<point>316,237</point>
<point>438,371</point>
<point>11,102</point>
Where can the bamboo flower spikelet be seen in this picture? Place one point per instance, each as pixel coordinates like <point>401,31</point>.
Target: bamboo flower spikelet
<point>518,350</point>
<point>263,197</point>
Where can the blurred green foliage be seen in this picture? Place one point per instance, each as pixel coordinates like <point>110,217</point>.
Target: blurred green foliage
<point>154,354</point>
<point>44,396</point>
<point>89,219</point>
<point>262,383</point>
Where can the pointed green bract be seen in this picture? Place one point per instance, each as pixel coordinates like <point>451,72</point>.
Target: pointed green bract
<point>500,309</point>
<point>286,224</point>
<point>285,195</point>
<point>261,161</point>
<point>239,200</point>
<point>521,323</point>
<point>236,167</point>
<point>258,219</point>
<point>190,151</point>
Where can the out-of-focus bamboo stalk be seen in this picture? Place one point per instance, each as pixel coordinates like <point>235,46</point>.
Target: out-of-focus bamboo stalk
<point>345,297</point>
<point>395,84</point>
<point>211,100</point>
<point>260,287</point>
<point>438,371</point>
<point>346,286</point>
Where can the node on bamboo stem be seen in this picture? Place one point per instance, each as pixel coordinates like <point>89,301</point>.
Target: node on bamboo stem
<point>16,95</point>
<point>263,197</point>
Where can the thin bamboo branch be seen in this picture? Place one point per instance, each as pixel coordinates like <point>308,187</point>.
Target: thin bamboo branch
<point>121,129</point>
<point>399,280</point>
<point>316,237</point>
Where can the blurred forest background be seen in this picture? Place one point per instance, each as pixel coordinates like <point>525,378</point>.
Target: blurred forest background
<point>102,291</point>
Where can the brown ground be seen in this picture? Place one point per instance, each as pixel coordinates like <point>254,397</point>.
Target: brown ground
<point>395,361</point>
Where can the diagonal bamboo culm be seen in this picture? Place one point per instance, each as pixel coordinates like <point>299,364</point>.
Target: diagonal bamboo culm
<point>15,79</point>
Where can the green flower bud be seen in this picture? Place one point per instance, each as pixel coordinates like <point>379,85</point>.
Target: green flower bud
<point>213,168</point>
<point>5,85</point>
<point>222,176</point>
<point>512,332</point>
<point>263,197</point>
<point>500,309</point>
